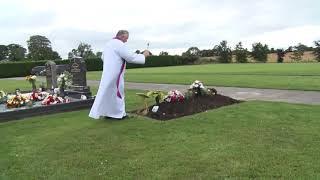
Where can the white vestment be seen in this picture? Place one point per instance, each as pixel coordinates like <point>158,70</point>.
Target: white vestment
<point>109,100</point>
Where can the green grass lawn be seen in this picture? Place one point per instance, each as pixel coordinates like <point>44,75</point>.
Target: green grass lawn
<point>11,85</point>
<point>300,76</point>
<point>250,140</point>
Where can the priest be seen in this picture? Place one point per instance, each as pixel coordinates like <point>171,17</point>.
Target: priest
<point>109,101</point>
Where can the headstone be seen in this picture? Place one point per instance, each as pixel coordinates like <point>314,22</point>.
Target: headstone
<point>78,71</point>
<point>51,74</point>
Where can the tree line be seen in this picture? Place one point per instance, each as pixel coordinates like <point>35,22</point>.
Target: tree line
<point>39,48</point>
<point>259,52</point>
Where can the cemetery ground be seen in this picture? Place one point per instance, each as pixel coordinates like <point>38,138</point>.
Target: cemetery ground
<point>249,140</point>
<point>293,76</point>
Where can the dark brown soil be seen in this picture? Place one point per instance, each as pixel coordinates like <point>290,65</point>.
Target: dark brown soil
<point>190,106</point>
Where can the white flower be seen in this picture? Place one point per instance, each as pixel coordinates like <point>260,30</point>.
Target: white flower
<point>83,97</point>
<point>197,84</point>
<point>167,99</point>
<point>10,97</point>
<point>155,109</point>
<point>60,99</point>
<point>56,90</point>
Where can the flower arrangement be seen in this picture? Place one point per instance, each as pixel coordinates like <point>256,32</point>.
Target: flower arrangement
<point>38,96</point>
<point>174,96</point>
<point>64,80</point>
<point>17,100</point>
<point>32,80</point>
<point>198,89</point>
<point>54,99</point>
<point>197,84</point>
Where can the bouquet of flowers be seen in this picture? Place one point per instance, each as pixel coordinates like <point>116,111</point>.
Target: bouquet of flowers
<point>32,80</point>
<point>54,99</point>
<point>197,85</point>
<point>16,101</point>
<point>64,80</point>
<point>174,96</point>
<point>38,96</point>
<point>198,89</point>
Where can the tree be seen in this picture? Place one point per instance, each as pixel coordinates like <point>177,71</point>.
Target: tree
<point>72,54</point>
<point>84,50</point>
<point>207,53</point>
<point>224,52</point>
<point>16,52</point>
<point>298,52</point>
<point>40,48</point>
<point>3,52</point>
<point>193,51</point>
<point>289,49</point>
<point>272,50</point>
<point>260,52</point>
<point>297,55</point>
<point>55,55</point>
<point>241,53</point>
<point>99,54</point>
<point>303,47</point>
<point>191,55</point>
<point>280,54</point>
<point>163,53</point>
<point>316,51</point>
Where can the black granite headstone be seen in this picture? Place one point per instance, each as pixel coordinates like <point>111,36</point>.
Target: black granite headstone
<point>78,71</point>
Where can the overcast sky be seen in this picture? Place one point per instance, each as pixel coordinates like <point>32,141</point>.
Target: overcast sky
<point>168,25</point>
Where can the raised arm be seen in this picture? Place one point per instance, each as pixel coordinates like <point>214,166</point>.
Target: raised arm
<point>131,57</point>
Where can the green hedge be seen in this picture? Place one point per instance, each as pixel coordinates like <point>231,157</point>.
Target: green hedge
<point>152,61</point>
<point>23,68</point>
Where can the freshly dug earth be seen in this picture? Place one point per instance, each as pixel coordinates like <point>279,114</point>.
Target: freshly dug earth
<point>190,106</point>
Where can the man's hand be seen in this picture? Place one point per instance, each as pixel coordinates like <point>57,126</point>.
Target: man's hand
<point>146,53</point>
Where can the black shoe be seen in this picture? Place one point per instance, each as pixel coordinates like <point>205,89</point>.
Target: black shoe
<point>112,118</point>
<point>125,117</point>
